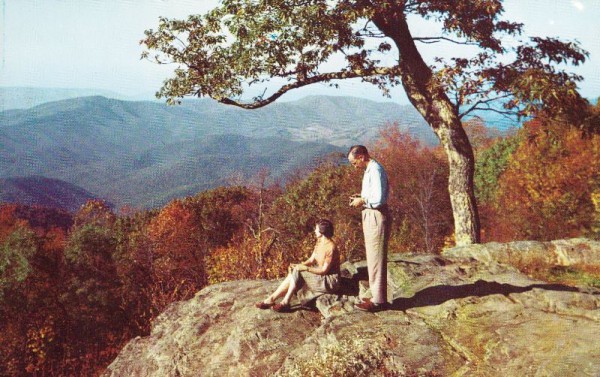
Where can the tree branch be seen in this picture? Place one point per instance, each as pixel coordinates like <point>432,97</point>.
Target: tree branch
<point>325,77</point>
<point>484,102</point>
<point>430,40</point>
<point>505,113</point>
<point>372,35</point>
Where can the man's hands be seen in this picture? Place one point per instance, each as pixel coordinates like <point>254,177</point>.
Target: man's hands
<point>356,201</point>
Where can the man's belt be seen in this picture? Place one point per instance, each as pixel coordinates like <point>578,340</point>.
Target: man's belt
<point>382,208</point>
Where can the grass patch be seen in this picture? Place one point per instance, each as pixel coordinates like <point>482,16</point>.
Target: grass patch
<point>580,276</point>
<point>352,358</point>
<point>341,359</point>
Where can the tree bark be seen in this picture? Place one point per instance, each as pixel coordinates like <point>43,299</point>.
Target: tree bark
<point>429,98</point>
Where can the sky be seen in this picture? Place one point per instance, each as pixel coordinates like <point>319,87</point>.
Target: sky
<point>94,44</point>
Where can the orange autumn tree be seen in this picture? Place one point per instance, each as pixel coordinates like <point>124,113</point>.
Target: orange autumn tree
<point>8,218</point>
<point>177,254</point>
<point>184,234</point>
<point>548,189</point>
<point>419,199</point>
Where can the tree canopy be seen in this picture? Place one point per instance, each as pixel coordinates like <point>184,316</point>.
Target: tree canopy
<point>302,42</point>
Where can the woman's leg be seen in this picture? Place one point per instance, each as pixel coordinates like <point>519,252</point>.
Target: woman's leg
<point>283,287</point>
<point>290,290</point>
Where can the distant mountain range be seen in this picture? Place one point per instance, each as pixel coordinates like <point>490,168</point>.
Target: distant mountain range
<point>145,153</point>
<point>12,98</point>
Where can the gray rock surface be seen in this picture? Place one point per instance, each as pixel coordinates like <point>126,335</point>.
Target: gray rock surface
<point>451,315</point>
<point>567,252</point>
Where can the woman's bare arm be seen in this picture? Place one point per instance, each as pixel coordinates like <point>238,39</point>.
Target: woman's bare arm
<point>303,266</point>
<point>323,270</point>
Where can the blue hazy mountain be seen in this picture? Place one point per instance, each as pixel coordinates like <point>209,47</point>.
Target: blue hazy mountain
<point>145,153</point>
<point>23,98</point>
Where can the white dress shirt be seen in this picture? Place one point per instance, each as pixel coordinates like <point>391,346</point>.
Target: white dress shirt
<point>374,185</point>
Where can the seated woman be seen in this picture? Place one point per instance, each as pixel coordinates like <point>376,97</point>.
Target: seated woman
<point>310,279</point>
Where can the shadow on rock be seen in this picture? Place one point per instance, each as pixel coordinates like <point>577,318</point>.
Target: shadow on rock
<point>441,293</point>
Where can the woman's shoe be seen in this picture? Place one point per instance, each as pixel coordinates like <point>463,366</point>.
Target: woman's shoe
<point>263,305</point>
<point>281,308</point>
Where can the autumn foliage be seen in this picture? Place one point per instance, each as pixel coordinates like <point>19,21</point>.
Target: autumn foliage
<point>550,186</point>
<point>419,199</point>
<point>74,288</point>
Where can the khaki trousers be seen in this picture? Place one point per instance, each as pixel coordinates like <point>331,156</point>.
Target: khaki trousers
<point>376,229</point>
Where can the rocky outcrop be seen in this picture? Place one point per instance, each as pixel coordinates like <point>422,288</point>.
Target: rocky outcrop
<point>575,251</point>
<point>450,315</point>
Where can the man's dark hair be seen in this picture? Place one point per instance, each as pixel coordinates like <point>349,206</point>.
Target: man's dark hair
<point>325,227</point>
<point>358,150</point>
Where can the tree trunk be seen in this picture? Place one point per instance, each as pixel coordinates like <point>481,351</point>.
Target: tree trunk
<point>460,182</point>
<point>429,98</point>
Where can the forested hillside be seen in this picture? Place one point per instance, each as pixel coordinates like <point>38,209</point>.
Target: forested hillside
<point>40,191</point>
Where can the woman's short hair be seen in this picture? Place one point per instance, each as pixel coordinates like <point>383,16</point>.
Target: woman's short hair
<point>325,227</point>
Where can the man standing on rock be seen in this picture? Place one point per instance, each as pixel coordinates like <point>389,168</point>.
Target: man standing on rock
<point>375,222</point>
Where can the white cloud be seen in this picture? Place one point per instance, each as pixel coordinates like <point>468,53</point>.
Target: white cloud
<point>578,5</point>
